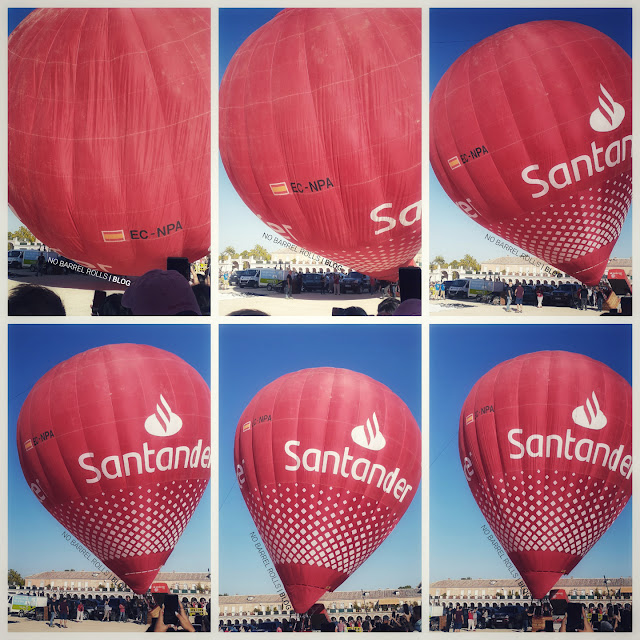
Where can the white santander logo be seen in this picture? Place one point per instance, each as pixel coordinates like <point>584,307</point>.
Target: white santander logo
<point>609,116</point>
<point>594,420</point>
<point>170,425</point>
<point>369,437</point>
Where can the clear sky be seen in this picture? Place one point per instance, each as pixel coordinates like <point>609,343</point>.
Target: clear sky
<point>35,536</point>
<point>237,224</point>
<point>459,356</point>
<point>15,16</point>
<point>451,33</point>
<point>252,356</point>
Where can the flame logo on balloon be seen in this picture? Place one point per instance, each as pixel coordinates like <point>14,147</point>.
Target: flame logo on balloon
<point>610,116</point>
<point>170,425</point>
<point>595,420</point>
<point>369,437</point>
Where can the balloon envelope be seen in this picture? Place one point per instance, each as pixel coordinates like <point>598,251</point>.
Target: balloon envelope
<point>320,132</point>
<point>328,461</point>
<point>115,443</point>
<point>109,134</point>
<point>530,135</point>
<point>545,445</point>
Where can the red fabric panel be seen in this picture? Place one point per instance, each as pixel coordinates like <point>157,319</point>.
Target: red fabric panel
<point>130,499</point>
<point>330,95</point>
<point>534,433</point>
<point>109,134</point>
<point>527,97</point>
<point>320,521</point>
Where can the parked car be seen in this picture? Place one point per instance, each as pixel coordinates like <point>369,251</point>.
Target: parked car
<point>567,294</point>
<point>234,278</point>
<point>312,282</point>
<point>355,282</point>
<point>509,617</point>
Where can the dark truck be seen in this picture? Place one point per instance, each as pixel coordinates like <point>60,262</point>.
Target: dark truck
<point>567,295</point>
<point>356,282</point>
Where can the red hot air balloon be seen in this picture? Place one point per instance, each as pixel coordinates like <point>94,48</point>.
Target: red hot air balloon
<point>320,132</point>
<point>328,461</point>
<point>109,134</point>
<point>115,443</point>
<point>530,135</point>
<point>545,444</point>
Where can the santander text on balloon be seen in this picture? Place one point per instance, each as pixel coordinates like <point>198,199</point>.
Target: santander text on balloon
<point>360,469</point>
<point>552,445</point>
<point>559,176</point>
<point>166,459</point>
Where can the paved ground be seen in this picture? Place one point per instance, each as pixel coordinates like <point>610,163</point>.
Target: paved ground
<point>304,304</point>
<point>449,307</point>
<point>17,624</point>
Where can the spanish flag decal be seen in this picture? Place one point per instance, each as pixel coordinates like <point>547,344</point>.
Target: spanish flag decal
<point>113,236</point>
<point>246,426</point>
<point>454,162</point>
<point>28,445</point>
<point>469,419</point>
<point>279,189</point>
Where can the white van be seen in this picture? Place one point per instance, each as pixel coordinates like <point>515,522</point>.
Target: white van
<point>28,258</point>
<point>261,277</point>
<point>472,288</point>
<point>26,605</point>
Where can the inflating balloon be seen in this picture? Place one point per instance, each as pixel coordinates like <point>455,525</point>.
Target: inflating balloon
<point>328,461</point>
<point>545,445</point>
<point>109,134</point>
<point>320,132</point>
<point>530,135</point>
<point>115,443</point>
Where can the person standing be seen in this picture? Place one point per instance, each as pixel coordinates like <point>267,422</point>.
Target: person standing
<point>53,609</point>
<point>540,296</point>
<point>288,285</point>
<point>508,293</point>
<point>63,609</point>
<point>584,297</point>
<point>471,620</point>
<point>107,611</point>
<point>324,280</point>
<point>80,612</point>
<point>519,297</point>
<point>336,284</point>
<point>438,285</point>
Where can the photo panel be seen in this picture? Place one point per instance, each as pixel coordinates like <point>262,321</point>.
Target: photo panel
<point>109,463</point>
<point>530,161</point>
<point>109,161</point>
<point>530,476</point>
<point>320,168</point>
<point>320,464</point>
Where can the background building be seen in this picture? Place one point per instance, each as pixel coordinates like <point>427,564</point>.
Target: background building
<point>337,602</point>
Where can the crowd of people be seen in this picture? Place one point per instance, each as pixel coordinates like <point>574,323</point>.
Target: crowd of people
<point>139,610</point>
<point>599,617</point>
<point>156,293</point>
<point>409,620</point>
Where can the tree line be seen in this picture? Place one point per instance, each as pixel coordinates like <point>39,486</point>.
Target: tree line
<point>468,263</point>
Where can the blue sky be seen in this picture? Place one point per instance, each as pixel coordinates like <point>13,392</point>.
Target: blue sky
<point>459,356</point>
<point>251,356</point>
<point>238,226</point>
<point>451,33</point>
<point>15,16</point>
<point>35,536</point>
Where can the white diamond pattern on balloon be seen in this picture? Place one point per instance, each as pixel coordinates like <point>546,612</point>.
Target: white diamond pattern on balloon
<point>340,531</point>
<point>548,511</point>
<point>127,523</point>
